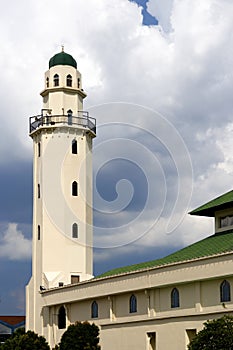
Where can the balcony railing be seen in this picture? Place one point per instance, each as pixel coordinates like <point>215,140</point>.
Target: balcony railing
<point>82,119</point>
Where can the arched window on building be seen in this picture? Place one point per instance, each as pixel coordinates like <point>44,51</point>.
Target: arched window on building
<point>74,147</point>
<point>47,82</point>
<point>94,310</point>
<point>225,291</point>
<point>74,230</point>
<point>69,80</point>
<point>132,304</point>
<point>62,318</point>
<point>74,188</point>
<point>78,83</point>
<point>175,298</point>
<point>56,80</point>
<point>70,116</point>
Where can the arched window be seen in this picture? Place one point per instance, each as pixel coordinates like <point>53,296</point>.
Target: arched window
<point>74,188</point>
<point>62,318</point>
<point>175,298</point>
<point>38,232</point>
<point>74,230</point>
<point>69,80</point>
<point>56,80</point>
<point>74,147</point>
<point>94,310</point>
<point>78,83</point>
<point>225,291</point>
<point>70,114</point>
<point>38,191</point>
<point>47,82</point>
<point>132,304</point>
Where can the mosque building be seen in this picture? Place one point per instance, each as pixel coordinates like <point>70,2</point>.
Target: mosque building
<point>156,305</point>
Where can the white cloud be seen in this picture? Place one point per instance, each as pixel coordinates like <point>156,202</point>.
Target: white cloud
<point>13,244</point>
<point>162,10</point>
<point>183,70</point>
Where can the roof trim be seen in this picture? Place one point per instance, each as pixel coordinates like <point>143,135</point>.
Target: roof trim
<point>224,201</point>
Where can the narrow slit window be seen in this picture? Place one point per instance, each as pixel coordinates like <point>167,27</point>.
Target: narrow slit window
<point>62,318</point>
<point>94,310</point>
<point>47,82</point>
<point>38,232</point>
<point>132,304</point>
<point>225,291</point>
<point>39,149</point>
<point>74,230</point>
<point>78,83</point>
<point>74,188</point>
<point>74,147</point>
<point>56,80</point>
<point>175,298</point>
<point>69,80</point>
<point>38,191</point>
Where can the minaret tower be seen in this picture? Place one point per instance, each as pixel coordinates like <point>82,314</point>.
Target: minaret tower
<point>62,185</point>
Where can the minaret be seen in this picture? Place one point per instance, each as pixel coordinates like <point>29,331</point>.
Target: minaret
<point>62,185</point>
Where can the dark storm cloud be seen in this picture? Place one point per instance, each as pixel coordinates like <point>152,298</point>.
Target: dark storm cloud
<point>122,257</point>
<point>14,276</point>
<point>16,192</point>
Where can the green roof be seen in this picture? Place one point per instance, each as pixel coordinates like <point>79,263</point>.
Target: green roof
<point>213,245</point>
<point>222,202</point>
<point>62,58</point>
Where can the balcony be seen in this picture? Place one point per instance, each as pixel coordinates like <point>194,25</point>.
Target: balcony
<point>47,120</point>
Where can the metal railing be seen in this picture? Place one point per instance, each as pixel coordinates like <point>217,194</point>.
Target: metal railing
<point>47,120</point>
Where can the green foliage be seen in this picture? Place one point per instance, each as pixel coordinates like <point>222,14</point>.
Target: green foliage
<point>80,336</point>
<point>25,341</point>
<point>216,335</point>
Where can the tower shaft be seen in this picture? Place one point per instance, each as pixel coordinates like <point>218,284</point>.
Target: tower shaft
<point>62,185</point>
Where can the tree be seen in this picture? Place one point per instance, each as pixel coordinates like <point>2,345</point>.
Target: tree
<point>216,335</point>
<point>25,341</point>
<point>80,336</point>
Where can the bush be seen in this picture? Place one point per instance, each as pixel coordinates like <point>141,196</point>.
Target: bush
<point>216,335</point>
<point>25,341</point>
<point>80,336</point>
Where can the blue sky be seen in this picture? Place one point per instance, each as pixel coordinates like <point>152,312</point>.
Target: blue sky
<point>158,75</point>
<point>147,18</point>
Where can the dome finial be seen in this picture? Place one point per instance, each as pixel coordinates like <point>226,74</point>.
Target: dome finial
<point>62,48</point>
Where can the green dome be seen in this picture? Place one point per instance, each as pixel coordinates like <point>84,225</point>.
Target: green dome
<point>62,58</point>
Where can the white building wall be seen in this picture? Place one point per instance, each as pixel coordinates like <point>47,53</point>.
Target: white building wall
<point>173,327</point>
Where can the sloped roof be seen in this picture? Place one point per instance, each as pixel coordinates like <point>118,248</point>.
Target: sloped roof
<point>12,320</point>
<point>222,202</point>
<point>210,246</point>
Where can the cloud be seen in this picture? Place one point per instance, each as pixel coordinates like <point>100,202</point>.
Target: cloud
<point>181,68</point>
<point>162,10</point>
<point>13,244</point>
